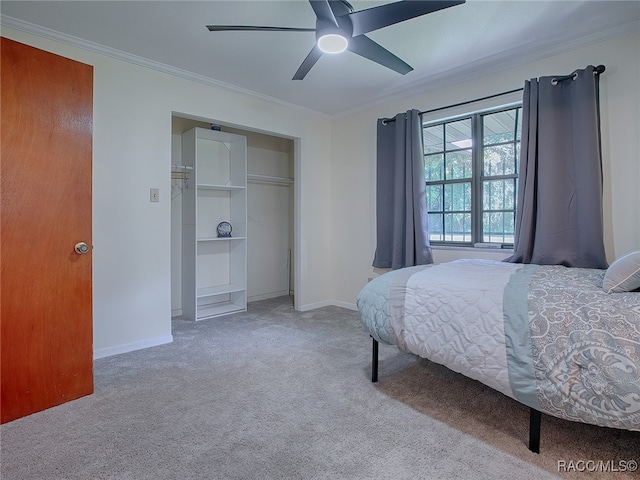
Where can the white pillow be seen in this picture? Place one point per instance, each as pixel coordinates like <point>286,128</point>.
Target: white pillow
<point>623,275</point>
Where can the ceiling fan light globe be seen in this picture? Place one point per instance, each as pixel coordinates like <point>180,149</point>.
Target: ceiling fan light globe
<point>332,43</point>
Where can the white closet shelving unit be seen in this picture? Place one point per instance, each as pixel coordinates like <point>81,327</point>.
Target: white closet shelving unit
<point>214,269</point>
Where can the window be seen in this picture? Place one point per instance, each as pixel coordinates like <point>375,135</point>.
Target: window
<point>471,173</point>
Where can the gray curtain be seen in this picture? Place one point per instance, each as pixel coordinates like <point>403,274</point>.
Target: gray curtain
<point>401,205</point>
<point>559,217</point>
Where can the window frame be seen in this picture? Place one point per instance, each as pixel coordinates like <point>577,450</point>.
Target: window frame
<point>476,118</point>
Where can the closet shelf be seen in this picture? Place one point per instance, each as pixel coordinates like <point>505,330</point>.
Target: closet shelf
<point>222,308</point>
<point>218,290</point>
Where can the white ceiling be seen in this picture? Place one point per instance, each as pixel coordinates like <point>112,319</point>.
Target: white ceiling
<point>444,47</point>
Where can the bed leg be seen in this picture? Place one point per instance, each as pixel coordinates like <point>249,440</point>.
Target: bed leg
<point>534,430</point>
<point>374,361</point>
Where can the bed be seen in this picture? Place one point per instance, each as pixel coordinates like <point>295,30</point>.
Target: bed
<point>549,337</point>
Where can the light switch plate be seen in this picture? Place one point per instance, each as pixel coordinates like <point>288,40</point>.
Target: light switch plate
<point>154,194</point>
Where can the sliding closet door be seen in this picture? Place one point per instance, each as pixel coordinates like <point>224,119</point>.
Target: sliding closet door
<point>46,323</point>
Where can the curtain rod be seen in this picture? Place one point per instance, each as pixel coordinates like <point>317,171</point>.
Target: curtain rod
<point>596,71</point>
<point>388,120</point>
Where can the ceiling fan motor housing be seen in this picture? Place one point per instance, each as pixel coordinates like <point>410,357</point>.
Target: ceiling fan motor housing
<point>332,38</point>
<point>334,31</point>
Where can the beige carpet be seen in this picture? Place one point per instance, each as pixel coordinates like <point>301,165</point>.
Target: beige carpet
<point>567,449</point>
<point>278,394</point>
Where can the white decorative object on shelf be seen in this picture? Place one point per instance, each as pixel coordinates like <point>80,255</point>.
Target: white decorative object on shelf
<point>214,268</point>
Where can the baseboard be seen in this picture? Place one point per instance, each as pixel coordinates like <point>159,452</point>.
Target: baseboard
<point>349,306</point>
<point>327,303</point>
<point>257,298</point>
<point>130,347</point>
<point>176,313</point>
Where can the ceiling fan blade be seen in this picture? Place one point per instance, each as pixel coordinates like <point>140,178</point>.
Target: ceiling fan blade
<point>323,10</point>
<point>310,61</point>
<point>255,28</point>
<point>384,15</point>
<point>367,48</point>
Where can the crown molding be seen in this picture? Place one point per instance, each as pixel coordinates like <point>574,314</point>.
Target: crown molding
<point>50,34</point>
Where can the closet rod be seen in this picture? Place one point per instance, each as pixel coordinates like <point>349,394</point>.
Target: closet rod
<point>181,168</point>
<point>596,71</point>
<point>269,179</point>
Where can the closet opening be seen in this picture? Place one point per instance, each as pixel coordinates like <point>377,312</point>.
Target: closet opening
<point>265,189</point>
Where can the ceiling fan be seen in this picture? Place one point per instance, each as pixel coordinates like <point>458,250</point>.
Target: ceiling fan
<point>339,28</point>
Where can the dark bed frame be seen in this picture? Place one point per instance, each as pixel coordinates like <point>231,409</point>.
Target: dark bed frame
<point>535,416</point>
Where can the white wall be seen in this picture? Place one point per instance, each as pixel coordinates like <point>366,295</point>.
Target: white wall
<point>354,144</point>
<point>133,106</point>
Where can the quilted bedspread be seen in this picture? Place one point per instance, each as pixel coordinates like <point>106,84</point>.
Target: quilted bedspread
<point>547,336</point>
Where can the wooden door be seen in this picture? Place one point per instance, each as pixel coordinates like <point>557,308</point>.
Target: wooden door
<point>46,323</point>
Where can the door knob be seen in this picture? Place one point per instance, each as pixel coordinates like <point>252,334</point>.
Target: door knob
<point>81,248</point>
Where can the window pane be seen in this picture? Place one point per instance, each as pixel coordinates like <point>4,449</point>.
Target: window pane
<point>499,194</point>
<point>434,167</point>
<point>498,227</point>
<point>499,127</point>
<point>433,138</point>
<point>436,230</point>
<point>499,160</point>
<point>458,134</point>
<point>457,197</point>
<point>457,227</point>
<point>458,165</point>
<point>434,198</point>
<point>454,166</point>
